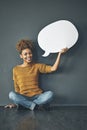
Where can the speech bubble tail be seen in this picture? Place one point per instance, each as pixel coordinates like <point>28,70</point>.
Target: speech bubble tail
<point>45,54</point>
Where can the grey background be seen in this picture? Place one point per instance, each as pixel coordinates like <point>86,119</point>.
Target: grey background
<point>24,19</point>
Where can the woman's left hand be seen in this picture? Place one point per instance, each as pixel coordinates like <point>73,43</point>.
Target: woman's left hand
<point>63,50</point>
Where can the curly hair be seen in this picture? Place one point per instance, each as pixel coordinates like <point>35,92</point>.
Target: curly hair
<point>24,44</point>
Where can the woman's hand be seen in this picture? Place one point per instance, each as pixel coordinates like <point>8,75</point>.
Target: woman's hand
<point>11,106</point>
<point>63,50</point>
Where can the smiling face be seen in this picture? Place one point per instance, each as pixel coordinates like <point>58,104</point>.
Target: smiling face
<point>26,55</point>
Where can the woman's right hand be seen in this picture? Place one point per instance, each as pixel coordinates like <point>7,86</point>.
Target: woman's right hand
<point>63,50</point>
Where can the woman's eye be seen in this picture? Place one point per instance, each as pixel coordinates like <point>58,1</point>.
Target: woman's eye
<point>25,54</point>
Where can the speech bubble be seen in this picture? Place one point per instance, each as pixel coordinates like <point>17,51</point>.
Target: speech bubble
<point>56,36</point>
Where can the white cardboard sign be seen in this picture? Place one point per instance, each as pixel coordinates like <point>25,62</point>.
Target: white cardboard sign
<point>56,36</point>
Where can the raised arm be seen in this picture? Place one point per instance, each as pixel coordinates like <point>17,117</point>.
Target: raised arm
<point>56,64</point>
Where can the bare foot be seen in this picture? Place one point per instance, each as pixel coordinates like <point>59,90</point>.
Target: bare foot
<point>10,106</point>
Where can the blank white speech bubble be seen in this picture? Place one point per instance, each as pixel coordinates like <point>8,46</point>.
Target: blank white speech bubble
<point>56,36</point>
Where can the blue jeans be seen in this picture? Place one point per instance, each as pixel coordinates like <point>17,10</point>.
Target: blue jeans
<point>30,102</point>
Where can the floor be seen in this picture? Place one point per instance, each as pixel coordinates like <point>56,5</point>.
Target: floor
<point>53,118</point>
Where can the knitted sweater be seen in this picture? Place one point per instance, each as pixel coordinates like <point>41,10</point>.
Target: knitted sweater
<point>26,78</point>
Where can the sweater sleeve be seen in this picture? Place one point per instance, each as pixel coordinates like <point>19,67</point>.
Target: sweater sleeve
<point>16,87</point>
<point>43,68</point>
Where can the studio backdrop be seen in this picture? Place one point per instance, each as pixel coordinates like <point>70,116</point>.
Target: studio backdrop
<point>24,19</point>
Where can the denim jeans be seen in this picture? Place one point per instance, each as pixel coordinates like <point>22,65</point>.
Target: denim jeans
<point>30,102</point>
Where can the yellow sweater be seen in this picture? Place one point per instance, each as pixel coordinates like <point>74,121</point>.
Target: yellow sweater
<point>26,78</point>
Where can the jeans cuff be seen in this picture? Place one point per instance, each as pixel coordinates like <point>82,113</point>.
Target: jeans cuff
<point>32,106</point>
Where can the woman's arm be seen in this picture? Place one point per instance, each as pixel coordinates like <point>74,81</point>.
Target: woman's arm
<point>56,64</point>
<point>16,87</point>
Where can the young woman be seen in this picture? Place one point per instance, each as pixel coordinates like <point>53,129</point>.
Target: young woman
<point>27,91</point>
